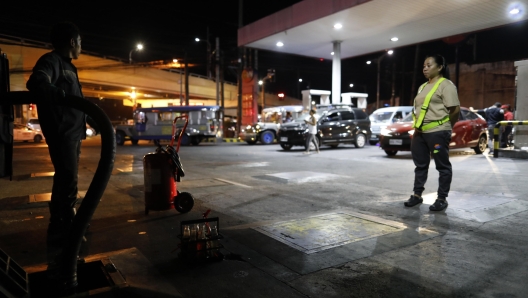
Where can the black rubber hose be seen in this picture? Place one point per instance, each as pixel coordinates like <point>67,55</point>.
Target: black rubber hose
<point>72,245</point>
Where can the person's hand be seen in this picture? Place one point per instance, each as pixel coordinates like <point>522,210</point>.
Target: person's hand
<point>93,125</point>
<point>472,110</point>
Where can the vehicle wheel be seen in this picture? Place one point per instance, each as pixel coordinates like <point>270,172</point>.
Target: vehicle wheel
<point>267,137</point>
<point>251,142</point>
<point>391,152</point>
<point>185,140</point>
<point>360,140</point>
<point>373,143</point>
<point>37,139</point>
<point>286,147</point>
<point>334,145</point>
<point>183,202</point>
<point>120,138</point>
<point>195,141</point>
<point>134,141</point>
<point>482,144</point>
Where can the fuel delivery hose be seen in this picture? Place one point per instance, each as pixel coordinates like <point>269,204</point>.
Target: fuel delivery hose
<point>72,245</point>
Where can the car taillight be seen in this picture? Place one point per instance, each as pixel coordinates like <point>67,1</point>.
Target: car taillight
<point>211,126</point>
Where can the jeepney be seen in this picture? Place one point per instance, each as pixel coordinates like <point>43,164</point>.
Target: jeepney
<point>156,124</point>
<point>268,126</point>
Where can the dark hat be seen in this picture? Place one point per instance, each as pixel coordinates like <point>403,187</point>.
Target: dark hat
<point>498,104</point>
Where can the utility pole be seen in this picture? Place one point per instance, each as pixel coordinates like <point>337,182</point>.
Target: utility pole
<point>186,79</point>
<point>392,100</point>
<point>208,55</point>
<point>217,70</point>
<point>413,85</point>
<point>239,72</point>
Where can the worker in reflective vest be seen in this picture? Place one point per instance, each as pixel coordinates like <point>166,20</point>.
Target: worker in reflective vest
<point>436,110</point>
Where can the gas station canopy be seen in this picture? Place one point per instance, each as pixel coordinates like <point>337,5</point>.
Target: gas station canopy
<point>311,27</point>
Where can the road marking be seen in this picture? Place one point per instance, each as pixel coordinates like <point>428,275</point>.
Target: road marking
<point>234,183</point>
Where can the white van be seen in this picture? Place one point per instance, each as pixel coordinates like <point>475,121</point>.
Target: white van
<point>34,124</point>
<point>383,117</point>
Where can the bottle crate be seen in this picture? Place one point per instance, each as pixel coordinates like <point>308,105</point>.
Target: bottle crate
<point>200,239</point>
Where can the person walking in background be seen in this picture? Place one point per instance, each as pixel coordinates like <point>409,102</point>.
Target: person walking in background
<point>507,129</point>
<point>493,114</point>
<point>436,110</point>
<point>64,128</point>
<point>312,131</point>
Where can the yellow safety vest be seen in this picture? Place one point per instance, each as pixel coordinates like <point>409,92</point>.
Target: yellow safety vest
<point>417,124</point>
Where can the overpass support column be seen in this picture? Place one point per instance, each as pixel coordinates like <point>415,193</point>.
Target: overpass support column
<point>336,73</point>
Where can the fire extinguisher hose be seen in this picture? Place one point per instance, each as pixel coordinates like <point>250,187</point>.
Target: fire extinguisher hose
<point>174,158</point>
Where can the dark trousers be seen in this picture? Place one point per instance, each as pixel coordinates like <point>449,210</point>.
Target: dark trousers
<point>504,136</point>
<point>65,158</point>
<point>435,144</point>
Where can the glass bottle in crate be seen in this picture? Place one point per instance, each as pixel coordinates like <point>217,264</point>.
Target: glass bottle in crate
<point>214,241</point>
<point>186,237</point>
<point>186,233</point>
<point>200,244</point>
<point>193,233</point>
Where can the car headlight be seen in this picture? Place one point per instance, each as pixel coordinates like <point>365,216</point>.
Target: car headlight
<point>385,132</point>
<point>411,132</point>
<point>248,127</point>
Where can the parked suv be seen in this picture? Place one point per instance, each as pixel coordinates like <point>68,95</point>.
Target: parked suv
<point>334,127</point>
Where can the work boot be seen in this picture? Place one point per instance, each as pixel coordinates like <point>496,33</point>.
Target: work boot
<point>413,201</point>
<point>439,205</point>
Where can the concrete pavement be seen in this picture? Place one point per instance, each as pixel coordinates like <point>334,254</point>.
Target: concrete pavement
<point>321,225</point>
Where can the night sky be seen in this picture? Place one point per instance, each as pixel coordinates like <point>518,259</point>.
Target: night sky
<point>168,28</point>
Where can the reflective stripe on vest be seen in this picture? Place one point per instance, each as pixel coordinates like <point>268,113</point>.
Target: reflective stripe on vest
<point>425,107</point>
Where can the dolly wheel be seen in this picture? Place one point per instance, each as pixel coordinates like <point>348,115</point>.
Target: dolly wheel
<point>183,202</point>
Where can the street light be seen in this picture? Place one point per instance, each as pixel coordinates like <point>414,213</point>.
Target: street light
<point>208,53</point>
<point>378,62</point>
<point>269,76</point>
<point>138,47</point>
<point>363,86</point>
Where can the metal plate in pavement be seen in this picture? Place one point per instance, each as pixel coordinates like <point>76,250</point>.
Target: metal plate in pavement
<point>321,232</point>
<point>300,177</point>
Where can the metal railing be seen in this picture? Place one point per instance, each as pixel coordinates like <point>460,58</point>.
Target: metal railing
<point>496,134</point>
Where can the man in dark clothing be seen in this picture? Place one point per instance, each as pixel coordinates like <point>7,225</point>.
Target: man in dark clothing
<point>493,114</point>
<point>64,128</point>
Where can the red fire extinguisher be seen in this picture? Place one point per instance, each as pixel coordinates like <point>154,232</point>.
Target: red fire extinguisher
<point>162,169</point>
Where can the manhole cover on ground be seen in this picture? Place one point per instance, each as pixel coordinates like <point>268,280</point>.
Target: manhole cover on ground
<point>300,177</point>
<point>317,233</point>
